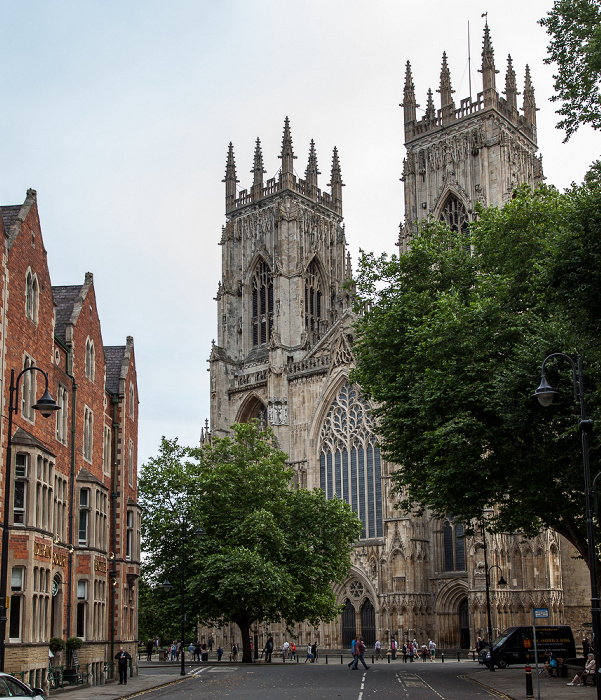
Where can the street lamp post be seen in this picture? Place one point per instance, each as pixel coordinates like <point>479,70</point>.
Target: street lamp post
<point>545,394</point>
<point>46,406</point>
<point>501,582</point>
<point>167,587</point>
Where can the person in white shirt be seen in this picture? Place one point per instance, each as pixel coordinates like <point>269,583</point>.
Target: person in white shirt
<point>285,647</point>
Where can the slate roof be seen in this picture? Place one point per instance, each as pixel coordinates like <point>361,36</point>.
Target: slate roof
<point>9,214</point>
<point>64,298</point>
<point>85,475</point>
<point>113,357</point>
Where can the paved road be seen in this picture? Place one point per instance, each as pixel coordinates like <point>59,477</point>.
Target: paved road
<point>320,682</point>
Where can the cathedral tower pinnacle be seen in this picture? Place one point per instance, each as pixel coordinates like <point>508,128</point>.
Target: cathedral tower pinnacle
<point>336,182</point>
<point>511,91</point>
<point>447,104</point>
<point>529,106</point>
<point>230,178</point>
<point>488,67</point>
<point>258,171</point>
<point>312,171</point>
<point>287,156</point>
<point>409,105</point>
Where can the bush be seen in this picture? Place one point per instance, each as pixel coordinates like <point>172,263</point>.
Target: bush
<point>74,643</point>
<point>56,644</point>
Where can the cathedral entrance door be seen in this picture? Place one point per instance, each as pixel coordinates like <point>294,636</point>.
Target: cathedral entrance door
<point>368,623</point>
<point>349,630</point>
<point>464,625</point>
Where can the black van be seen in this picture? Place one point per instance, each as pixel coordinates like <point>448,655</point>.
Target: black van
<point>516,645</point>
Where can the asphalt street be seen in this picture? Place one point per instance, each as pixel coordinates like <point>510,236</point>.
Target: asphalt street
<point>316,682</point>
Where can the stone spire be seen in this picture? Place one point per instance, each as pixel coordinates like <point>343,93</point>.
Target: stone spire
<point>230,178</point>
<point>336,182</point>
<point>511,92</point>
<point>258,171</point>
<point>446,92</point>
<point>488,64</point>
<point>430,108</point>
<point>312,171</point>
<point>529,106</point>
<point>287,156</point>
<point>409,105</point>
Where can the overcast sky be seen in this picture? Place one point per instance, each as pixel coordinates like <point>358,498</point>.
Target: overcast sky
<point>119,114</point>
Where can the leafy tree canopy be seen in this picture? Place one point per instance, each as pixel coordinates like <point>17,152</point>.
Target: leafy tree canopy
<point>575,30</point>
<point>451,338</point>
<point>269,552</point>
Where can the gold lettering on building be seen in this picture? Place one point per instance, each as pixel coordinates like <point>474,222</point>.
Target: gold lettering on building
<point>100,565</point>
<point>60,559</point>
<point>41,550</point>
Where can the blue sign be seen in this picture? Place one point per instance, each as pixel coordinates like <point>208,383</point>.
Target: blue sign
<point>541,612</point>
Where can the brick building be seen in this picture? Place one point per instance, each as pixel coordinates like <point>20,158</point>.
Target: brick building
<point>74,523</point>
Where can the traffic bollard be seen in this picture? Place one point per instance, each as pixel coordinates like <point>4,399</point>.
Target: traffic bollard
<point>326,659</point>
<point>340,658</point>
<point>388,655</point>
<point>442,657</point>
<point>458,657</point>
<point>529,691</point>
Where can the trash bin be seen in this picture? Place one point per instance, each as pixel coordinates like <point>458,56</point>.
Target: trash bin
<point>162,655</point>
<point>205,655</point>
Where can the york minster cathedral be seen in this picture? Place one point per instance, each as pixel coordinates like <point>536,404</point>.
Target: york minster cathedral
<point>284,350</point>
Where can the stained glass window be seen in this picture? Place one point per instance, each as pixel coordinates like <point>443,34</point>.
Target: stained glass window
<point>350,464</point>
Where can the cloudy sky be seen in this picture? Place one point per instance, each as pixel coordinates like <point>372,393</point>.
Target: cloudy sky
<point>119,114</point>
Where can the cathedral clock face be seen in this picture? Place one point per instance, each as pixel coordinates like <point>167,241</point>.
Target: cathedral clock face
<point>54,587</point>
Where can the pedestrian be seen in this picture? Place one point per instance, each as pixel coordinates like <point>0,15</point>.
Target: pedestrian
<point>353,650</point>
<point>285,647</point>
<point>424,653</point>
<point>360,650</point>
<point>234,656</point>
<point>211,642</point>
<point>411,652</point>
<point>314,652</point>
<point>219,653</point>
<point>432,650</point>
<point>308,652</point>
<point>378,649</point>
<point>173,651</point>
<point>149,649</point>
<point>405,652</point>
<point>191,648</point>
<point>122,657</point>
<point>197,652</point>
<point>268,650</point>
<point>293,651</point>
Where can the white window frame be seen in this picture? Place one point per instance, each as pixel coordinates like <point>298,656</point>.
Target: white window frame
<point>62,415</point>
<point>32,296</point>
<point>28,389</point>
<point>88,434</point>
<point>90,359</point>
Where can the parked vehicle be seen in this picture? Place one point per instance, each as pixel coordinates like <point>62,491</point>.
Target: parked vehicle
<point>516,645</point>
<point>11,687</point>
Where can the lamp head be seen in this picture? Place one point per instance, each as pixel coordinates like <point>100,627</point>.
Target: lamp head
<point>545,392</point>
<point>167,585</point>
<point>502,581</point>
<point>199,532</point>
<point>46,405</point>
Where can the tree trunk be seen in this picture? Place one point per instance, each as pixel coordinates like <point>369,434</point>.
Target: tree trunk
<point>245,633</point>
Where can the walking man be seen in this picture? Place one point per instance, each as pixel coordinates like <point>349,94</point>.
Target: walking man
<point>359,651</point>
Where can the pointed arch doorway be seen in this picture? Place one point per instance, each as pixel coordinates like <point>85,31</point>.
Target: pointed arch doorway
<point>464,625</point>
<point>349,628</point>
<point>368,623</point>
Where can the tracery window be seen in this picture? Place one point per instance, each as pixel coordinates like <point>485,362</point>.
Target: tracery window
<point>31,296</point>
<point>90,360</point>
<point>455,216</point>
<point>262,304</point>
<point>313,300</point>
<point>349,461</point>
<point>454,547</point>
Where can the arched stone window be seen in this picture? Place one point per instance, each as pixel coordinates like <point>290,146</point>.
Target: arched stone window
<point>31,296</point>
<point>454,547</point>
<point>262,304</point>
<point>455,216</point>
<point>349,461</point>
<point>313,302</point>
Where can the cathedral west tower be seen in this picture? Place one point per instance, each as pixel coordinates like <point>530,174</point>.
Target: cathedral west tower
<point>477,151</point>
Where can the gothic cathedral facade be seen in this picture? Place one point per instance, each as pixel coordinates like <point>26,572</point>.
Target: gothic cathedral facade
<point>284,352</point>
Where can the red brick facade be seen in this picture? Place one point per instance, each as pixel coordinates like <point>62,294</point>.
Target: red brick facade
<point>74,548</point>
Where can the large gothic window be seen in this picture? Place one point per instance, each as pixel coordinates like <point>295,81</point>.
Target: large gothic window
<point>313,300</point>
<point>262,304</point>
<point>454,547</point>
<point>455,216</point>
<point>349,462</point>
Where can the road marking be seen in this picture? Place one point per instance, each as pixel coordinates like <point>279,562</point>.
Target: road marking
<point>493,693</point>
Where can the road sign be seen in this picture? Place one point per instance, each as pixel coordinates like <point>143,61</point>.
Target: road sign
<point>541,612</point>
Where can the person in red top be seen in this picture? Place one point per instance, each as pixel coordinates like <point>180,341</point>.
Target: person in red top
<point>359,651</point>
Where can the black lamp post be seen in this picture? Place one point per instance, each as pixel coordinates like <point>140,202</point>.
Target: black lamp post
<point>199,532</point>
<point>545,394</point>
<point>501,582</point>
<point>46,406</point>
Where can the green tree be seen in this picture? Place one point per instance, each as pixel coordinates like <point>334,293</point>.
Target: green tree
<point>575,30</point>
<point>450,343</point>
<point>269,553</point>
